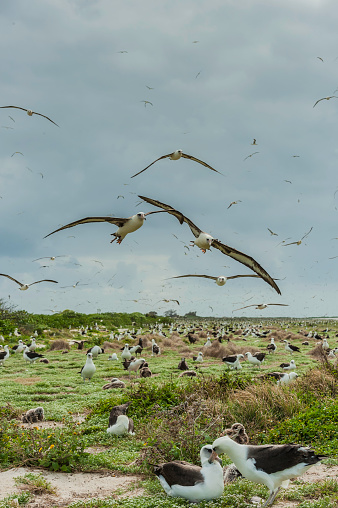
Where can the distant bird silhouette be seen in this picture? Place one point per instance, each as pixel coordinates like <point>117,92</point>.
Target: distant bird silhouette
<point>250,155</point>
<point>24,287</point>
<point>175,156</point>
<point>299,241</point>
<point>30,113</point>
<point>325,99</point>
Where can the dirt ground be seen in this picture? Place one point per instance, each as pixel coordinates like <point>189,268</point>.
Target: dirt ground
<point>73,487</point>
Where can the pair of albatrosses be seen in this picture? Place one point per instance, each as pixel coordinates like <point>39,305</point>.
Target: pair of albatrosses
<point>270,465</point>
<point>203,240</point>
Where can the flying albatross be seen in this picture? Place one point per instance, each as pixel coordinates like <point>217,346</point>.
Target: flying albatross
<point>195,483</point>
<point>220,281</point>
<point>174,157</point>
<point>125,226</point>
<point>204,242</point>
<point>261,306</point>
<point>270,465</point>
<point>30,113</point>
<point>23,287</point>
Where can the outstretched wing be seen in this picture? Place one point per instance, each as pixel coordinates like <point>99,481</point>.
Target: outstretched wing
<point>43,280</point>
<point>163,157</point>
<point>253,305</point>
<point>306,234</point>
<point>16,107</point>
<point>247,261</point>
<point>12,278</point>
<point>179,216</point>
<point>44,116</point>
<point>283,304</point>
<point>113,220</point>
<point>200,162</point>
<point>237,276</point>
<point>191,275</point>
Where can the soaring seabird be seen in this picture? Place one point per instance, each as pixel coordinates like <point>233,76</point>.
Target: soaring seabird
<point>125,226</point>
<point>220,280</point>
<point>204,242</point>
<point>30,356</point>
<point>262,306</point>
<point>195,483</point>
<point>174,157</point>
<point>88,370</point>
<point>4,355</point>
<point>270,465</point>
<point>23,287</point>
<point>30,113</point>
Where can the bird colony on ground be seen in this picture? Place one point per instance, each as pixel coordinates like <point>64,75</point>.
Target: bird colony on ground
<point>270,465</point>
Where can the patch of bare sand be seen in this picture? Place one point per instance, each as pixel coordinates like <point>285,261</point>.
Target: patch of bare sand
<point>316,473</point>
<point>71,487</point>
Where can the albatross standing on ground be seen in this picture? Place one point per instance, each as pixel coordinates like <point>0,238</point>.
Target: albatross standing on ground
<point>195,483</point>
<point>204,241</point>
<point>270,465</point>
<point>88,370</point>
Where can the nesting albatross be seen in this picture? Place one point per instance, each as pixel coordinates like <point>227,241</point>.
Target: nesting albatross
<point>204,241</point>
<point>270,465</point>
<point>195,483</point>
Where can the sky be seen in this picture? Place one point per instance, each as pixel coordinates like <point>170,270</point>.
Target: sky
<point>218,75</point>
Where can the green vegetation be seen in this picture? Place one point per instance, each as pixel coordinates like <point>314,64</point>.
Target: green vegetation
<point>173,416</point>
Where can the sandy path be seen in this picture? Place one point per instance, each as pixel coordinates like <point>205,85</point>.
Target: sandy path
<point>73,487</point>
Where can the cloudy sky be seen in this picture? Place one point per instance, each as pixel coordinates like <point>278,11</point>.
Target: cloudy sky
<point>218,75</point>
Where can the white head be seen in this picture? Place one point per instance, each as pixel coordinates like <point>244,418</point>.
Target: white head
<point>141,216</point>
<point>208,455</point>
<point>90,356</point>
<point>23,287</point>
<point>293,376</point>
<point>220,281</point>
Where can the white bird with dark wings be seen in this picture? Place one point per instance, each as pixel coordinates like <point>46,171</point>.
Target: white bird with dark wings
<point>204,242</point>
<point>24,287</point>
<point>174,157</point>
<point>220,281</point>
<point>125,226</point>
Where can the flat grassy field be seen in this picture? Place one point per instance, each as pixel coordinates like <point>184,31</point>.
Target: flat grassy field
<point>173,416</point>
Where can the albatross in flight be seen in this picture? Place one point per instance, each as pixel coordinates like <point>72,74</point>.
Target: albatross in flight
<point>174,157</point>
<point>125,226</point>
<point>261,306</point>
<point>23,287</point>
<point>30,113</point>
<point>220,281</point>
<point>204,242</point>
